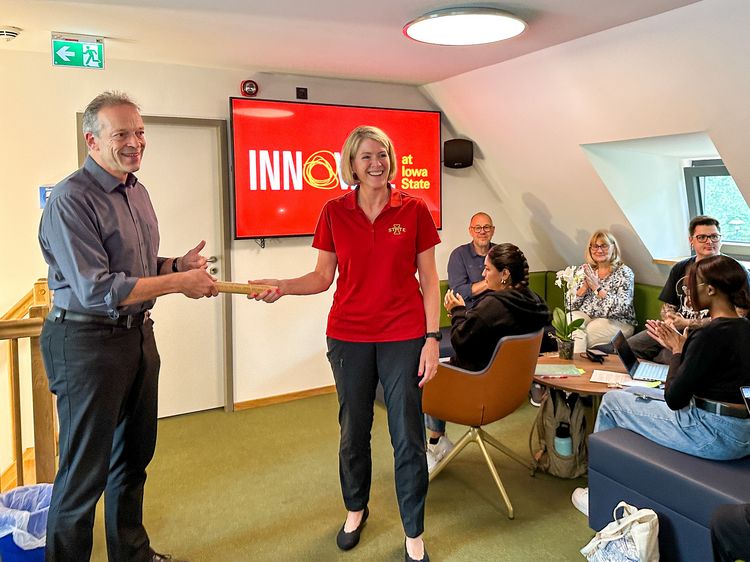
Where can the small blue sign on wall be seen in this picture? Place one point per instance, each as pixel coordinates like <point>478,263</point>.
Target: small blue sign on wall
<point>44,193</point>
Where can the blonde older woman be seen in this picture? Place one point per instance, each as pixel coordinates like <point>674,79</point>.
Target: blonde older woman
<point>604,297</point>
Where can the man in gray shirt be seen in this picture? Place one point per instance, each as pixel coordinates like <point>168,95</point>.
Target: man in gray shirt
<point>466,262</point>
<point>100,237</point>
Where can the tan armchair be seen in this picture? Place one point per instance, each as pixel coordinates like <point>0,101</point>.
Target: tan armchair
<point>478,398</point>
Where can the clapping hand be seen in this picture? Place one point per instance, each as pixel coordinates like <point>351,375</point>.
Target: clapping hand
<point>666,335</point>
<point>590,278</point>
<point>452,300</point>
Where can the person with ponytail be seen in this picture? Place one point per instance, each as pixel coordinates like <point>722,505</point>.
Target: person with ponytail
<point>508,308</point>
<point>701,411</point>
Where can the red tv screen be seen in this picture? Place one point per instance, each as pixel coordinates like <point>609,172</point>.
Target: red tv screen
<point>286,160</point>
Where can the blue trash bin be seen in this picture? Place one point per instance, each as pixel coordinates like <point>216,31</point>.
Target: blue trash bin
<point>23,523</point>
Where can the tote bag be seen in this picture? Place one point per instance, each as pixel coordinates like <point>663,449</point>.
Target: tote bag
<point>630,538</point>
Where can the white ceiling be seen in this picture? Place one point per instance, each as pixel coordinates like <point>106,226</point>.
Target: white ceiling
<point>335,38</point>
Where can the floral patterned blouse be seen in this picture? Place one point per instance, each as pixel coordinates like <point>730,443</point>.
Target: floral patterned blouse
<point>617,304</point>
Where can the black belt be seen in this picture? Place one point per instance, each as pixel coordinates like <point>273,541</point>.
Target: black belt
<point>721,409</point>
<point>60,315</point>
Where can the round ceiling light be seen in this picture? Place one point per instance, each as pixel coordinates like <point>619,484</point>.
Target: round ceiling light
<point>464,26</point>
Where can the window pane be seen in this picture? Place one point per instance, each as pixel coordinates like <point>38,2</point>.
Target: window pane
<point>722,199</point>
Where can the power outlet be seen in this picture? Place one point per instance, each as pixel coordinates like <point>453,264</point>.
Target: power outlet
<point>301,93</point>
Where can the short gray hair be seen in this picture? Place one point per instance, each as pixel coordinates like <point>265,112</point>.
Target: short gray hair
<point>105,99</point>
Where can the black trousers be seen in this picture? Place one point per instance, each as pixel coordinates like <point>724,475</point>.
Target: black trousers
<point>730,533</point>
<point>357,367</point>
<point>106,382</point>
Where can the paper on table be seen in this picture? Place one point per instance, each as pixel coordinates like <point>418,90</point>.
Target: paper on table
<point>609,377</point>
<point>564,370</point>
<point>621,379</point>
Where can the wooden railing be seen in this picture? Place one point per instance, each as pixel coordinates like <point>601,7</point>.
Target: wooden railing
<point>14,326</point>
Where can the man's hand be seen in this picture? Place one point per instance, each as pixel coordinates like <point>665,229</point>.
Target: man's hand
<point>193,259</point>
<point>428,360</point>
<point>678,321</point>
<point>197,283</point>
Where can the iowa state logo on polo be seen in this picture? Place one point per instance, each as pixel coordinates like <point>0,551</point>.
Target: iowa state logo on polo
<point>397,229</point>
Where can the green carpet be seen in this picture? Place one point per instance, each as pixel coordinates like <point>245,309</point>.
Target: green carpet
<point>262,484</point>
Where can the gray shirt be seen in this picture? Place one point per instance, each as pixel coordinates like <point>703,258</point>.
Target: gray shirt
<point>99,236</point>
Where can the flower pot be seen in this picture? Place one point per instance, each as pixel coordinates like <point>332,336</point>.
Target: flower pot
<point>565,349</point>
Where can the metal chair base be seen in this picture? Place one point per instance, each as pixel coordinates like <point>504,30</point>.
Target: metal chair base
<point>482,438</point>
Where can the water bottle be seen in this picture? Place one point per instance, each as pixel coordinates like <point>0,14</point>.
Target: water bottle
<point>563,442</point>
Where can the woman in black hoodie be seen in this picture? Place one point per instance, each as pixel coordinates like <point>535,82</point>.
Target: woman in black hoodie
<point>509,308</point>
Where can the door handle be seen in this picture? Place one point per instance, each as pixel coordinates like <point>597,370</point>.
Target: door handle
<point>212,259</point>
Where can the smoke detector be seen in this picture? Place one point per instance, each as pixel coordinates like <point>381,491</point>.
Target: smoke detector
<point>9,32</point>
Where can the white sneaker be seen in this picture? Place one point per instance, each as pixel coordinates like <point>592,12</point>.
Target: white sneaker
<point>580,499</point>
<point>431,461</point>
<point>439,450</point>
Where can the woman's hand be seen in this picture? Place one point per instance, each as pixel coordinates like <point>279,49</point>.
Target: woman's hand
<point>591,279</point>
<point>269,295</point>
<point>428,361</point>
<point>666,335</point>
<point>452,300</point>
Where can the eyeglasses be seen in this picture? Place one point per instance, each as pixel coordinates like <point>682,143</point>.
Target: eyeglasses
<point>482,228</point>
<point>715,237</point>
<point>686,289</point>
<point>599,247</point>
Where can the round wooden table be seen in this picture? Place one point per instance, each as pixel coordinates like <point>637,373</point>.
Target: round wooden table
<point>580,384</point>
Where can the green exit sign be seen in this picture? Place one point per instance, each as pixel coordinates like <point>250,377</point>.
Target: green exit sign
<point>79,51</point>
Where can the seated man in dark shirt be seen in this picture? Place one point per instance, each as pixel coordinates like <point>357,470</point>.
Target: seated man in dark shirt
<point>705,239</point>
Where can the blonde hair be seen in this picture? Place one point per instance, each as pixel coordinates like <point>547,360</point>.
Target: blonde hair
<point>352,144</point>
<point>614,259</point>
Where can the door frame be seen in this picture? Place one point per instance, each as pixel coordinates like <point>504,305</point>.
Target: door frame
<point>225,264</point>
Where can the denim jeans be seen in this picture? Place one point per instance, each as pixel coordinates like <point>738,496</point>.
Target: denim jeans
<point>434,424</point>
<point>690,429</point>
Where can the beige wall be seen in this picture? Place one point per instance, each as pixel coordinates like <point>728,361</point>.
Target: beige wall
<point>683,71</point>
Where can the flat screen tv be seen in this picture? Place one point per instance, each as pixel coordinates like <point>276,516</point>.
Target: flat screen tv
<point>286,160</point>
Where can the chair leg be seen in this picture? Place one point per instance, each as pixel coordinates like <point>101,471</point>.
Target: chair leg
<point>467,438</point>
<point>503,449</point>
<point>480,441</point>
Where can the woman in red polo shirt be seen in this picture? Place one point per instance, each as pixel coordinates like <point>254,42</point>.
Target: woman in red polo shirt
<point>383,325</point>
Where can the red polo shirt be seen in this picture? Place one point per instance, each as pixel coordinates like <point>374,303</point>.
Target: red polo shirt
<point>377,296</point>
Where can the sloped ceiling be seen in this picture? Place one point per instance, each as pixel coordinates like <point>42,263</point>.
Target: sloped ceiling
<point>334,38</point>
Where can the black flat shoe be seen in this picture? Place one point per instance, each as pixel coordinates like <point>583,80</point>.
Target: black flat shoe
<point>407,558</point>
<point>347,541</point>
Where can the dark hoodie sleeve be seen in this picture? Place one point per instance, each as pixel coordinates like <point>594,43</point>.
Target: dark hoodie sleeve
<point>475,333</point>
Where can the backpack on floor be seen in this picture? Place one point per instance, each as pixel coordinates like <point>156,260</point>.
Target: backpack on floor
<point>563,415</point>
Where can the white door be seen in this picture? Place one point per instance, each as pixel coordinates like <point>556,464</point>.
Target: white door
<point>181,170</point>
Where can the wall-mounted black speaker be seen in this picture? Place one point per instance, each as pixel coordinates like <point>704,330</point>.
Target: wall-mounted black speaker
<point>458,153</point>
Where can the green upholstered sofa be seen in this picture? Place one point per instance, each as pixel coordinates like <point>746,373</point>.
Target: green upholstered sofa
<point>646,299</point>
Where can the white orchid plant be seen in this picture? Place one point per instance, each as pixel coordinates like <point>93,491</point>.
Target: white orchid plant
<point>562,320</point>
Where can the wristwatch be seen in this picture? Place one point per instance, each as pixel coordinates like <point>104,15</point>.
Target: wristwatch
<point>436,335</point>
<point>174,265</point>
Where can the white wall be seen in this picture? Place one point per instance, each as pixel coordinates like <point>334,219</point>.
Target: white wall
<point>683,71</point>
<point>279,348</point>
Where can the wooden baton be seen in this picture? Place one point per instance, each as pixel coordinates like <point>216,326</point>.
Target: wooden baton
<point>242,288</point>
